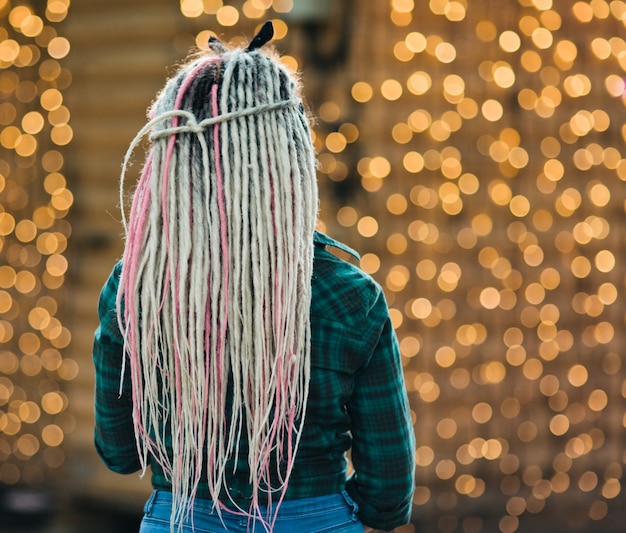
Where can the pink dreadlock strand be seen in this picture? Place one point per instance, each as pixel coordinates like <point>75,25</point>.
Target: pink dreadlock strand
<point>216,281</point>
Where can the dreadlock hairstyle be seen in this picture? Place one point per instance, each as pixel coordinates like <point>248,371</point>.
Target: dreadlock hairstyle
<point>215,286</point>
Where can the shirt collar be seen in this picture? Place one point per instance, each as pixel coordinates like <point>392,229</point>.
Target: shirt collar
<point>324,240</point>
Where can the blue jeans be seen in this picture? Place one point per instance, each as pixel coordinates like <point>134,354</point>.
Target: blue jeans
<point>325,514</point>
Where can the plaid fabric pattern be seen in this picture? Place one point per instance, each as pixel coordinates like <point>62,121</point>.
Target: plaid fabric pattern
<point>357,399</point>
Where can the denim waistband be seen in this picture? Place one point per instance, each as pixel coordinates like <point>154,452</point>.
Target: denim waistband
<point>288,508</point>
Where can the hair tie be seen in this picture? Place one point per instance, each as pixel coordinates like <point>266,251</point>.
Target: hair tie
<point>216,45</point>
<point>263,37</point>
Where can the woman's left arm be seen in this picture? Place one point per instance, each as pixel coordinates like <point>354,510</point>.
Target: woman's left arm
<point>114,435</point>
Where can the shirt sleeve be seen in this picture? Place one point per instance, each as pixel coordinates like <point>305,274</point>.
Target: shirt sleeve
<point>114,435</point>
<point>383,447</point>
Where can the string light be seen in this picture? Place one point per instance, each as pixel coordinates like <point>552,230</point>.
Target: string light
<point>34,201</point>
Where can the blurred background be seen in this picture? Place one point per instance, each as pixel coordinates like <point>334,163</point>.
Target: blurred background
<point>473,152</point>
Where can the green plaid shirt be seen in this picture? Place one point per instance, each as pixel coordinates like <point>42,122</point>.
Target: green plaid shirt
<point>357,399</point>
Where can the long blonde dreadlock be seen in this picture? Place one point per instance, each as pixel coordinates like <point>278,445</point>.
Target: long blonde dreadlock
<point>215,286</point>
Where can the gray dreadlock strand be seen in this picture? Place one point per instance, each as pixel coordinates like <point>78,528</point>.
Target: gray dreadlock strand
<point>215,287</point>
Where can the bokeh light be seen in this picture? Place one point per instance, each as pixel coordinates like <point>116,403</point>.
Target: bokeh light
<point>34,201</point>
<point>474,154</point>
<point>484,189</point>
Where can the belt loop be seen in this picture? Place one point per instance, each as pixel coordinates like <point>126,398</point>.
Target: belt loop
<point>147,509</point>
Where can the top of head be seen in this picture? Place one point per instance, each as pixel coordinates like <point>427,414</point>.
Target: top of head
<point>245,78</point>
<point>226,110</point>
